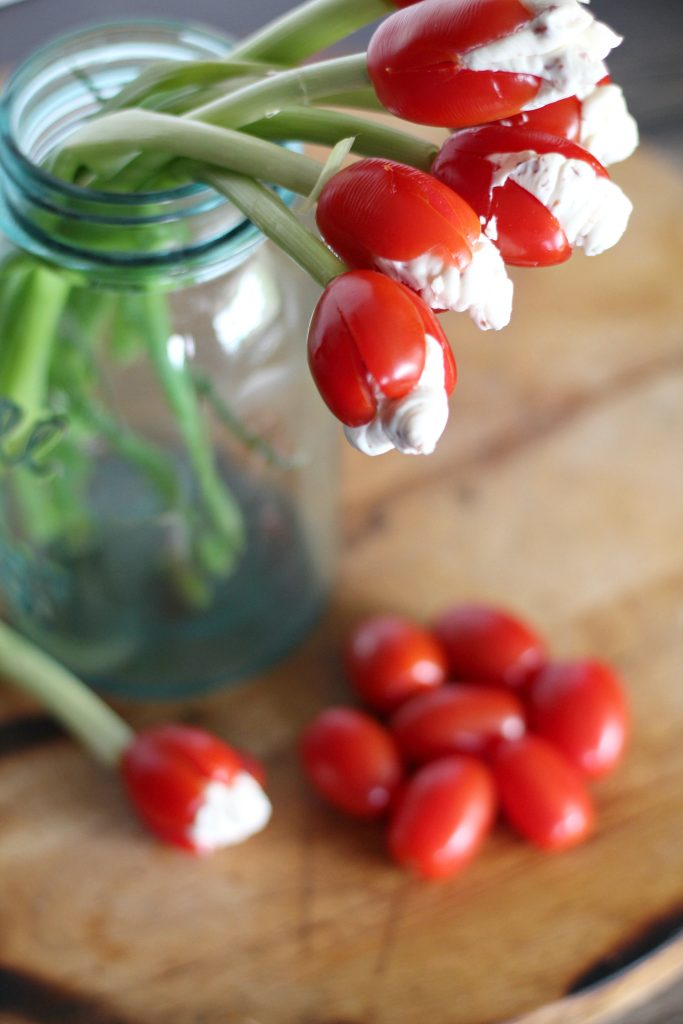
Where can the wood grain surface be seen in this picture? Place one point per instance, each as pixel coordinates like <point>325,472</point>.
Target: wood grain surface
<point>558,490</point>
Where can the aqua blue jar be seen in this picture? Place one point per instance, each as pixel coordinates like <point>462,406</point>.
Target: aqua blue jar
<point>168,474</point>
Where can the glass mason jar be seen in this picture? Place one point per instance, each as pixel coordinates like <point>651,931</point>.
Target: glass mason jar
<point>167,470</point>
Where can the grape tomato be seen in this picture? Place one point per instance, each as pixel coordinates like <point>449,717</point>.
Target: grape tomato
<point>389,659</point>
<point>352,761</point>
<point>443,817</point>
<point>456,718</point>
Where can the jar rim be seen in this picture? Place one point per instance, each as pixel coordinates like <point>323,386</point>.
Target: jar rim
<point>14,82</point>
<point>185,234</point>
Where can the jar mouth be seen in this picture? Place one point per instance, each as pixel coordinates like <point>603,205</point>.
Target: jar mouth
<point>185,233</point>
<point>18,79</point>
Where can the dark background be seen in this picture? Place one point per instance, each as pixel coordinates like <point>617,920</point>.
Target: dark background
<point>649,64</point>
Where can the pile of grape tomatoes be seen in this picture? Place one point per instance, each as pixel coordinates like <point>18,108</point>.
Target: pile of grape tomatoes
<point>465,720</point>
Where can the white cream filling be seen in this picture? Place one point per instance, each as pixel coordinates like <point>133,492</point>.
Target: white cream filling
<point>608,130</point>
<point>562,44</point>
<point>592,211</point>
<point>412,424</point>
<point>482,288</point>
<point>230,813</point>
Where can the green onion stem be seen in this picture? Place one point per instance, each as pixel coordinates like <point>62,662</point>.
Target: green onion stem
<point>169,136</point>
<point>308,28</point>
<point>101,730</point>
<point>224,539</point>
<point>304,84</point>
<point>169,75</point>
<point>276,220</point>
<point>327,127</point>
<point>301,32</point>
<point>267,96</point>
<point>361,99</point>
<point>28,340</point>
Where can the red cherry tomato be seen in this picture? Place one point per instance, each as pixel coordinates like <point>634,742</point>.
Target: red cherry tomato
<point>415,66</point>
<point>560,118</point>
<point>489,645</point>
<point>389,659</point>
<point>352,761</point>
<point>581,707</point>
<point>527,232</point>
<point>542,795</point>
<point>443,817</point>
<point>367,336</point>
<point>456,719</point>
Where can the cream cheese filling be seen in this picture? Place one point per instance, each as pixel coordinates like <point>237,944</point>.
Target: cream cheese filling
<point>562,44</point>
<point>607,130</point>
<point>230,813</point>
<point>482,288</point>
<point>413,424</point>
<point>592,211</point>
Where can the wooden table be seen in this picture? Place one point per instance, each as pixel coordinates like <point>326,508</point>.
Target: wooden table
<point>558,490</point>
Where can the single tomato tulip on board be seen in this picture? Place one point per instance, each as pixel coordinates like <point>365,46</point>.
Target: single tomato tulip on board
<point>489,645</point>
<point>389,217</point>
<point>538,195</point>
<point>542,795</point>
<point>581,707</point>
<point>457,63</point>
<point>456,719</point>
<point>193,790</point>
<point>389,659</point>
<point>443,817</point>
<point>352,761</point>
<point>382,363</point>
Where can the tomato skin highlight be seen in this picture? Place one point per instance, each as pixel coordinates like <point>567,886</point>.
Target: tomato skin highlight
<point>457,718</point>
<point>367,333</point>
<point>487,644</point>
<point>443,817</point>
<point>381,209</point>
<point>542,795</point>
<point>581,707</point>
<point>560,118</point>
<point>413,61</point>
<point>528,234</point>
<point>352,761</point>
<point>389,659</point>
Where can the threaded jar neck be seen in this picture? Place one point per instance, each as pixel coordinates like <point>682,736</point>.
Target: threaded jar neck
<point>180,236</point>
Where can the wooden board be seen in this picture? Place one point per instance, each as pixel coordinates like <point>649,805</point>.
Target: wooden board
<point>558,491</point>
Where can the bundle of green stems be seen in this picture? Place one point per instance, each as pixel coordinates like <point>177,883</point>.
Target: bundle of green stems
<point>221,123</point>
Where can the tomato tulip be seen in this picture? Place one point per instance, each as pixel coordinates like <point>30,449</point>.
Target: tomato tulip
<point>389,659</point>
<point>383,215</point>
<point>192,790</point>
<point>541,794</point>
<point>352,761</point>
<point>443,817</point>
<point>600,122</point>
<point>457,63</point>
<point>539,195</point>
<point>581,707</point>
<point>381,363</point>
<point>457,718</point>
<point>489,645</point>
